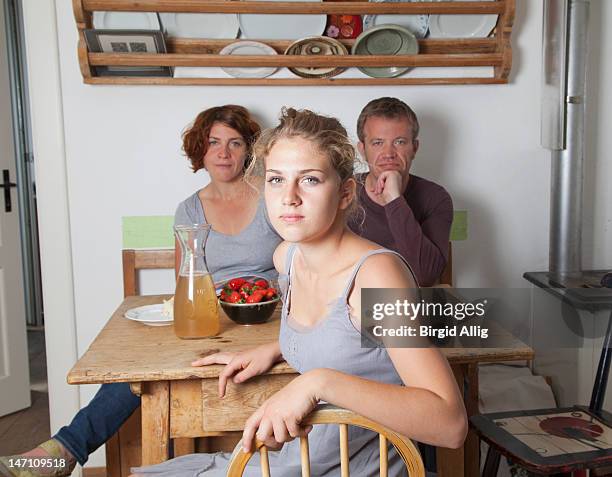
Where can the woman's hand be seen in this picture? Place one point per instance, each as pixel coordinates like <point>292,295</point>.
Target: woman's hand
<point>279,418</point>
<point>242,365</point>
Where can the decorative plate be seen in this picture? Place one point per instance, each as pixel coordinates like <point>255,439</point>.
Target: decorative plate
<point>316,45</point>
<point>200,25</point>
<point>461,26</point>
<point>126,21</point>
<point>281,27</point>
<point>416,24</point>
<point>386,40</point>
<point>344,26</point>
<point>248,48</point>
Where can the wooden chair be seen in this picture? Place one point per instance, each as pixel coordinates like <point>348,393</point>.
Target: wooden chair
<point>135,260</point>
<point>447,274</point>
<point>326,414</point>
<point>557,441</point>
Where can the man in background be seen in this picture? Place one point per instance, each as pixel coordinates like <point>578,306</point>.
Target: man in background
<point>403,212</point>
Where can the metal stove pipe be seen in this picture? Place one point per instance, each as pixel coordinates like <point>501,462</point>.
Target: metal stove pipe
<point>567,164</point>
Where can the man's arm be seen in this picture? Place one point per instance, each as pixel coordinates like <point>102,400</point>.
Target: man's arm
<point>425,245</point>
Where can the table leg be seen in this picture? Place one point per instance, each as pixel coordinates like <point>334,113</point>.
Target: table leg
<point>450,462</point>
<point>472,442</point>
<point>155,406</point>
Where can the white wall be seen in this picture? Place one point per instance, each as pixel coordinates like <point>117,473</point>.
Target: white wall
<point>481,142</point>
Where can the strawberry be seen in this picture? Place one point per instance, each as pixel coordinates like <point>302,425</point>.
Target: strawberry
<point>236,283</point>
<point>254,298</point>
<point>234,297</point>
<point>261,283</point>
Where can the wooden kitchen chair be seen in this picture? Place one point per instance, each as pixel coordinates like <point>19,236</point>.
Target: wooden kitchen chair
<point>447,274</point>
<point>327,414</point>
<point>135,260</point>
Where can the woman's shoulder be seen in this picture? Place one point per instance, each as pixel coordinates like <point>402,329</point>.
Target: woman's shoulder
<point>189,211</point>
<point>280,256</point>
<point>383,268</point>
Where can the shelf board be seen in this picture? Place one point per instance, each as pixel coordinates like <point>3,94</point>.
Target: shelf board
<point>262,7</point>
<point>426,46</point>
<point>176,59</point>
<point>135,80</point>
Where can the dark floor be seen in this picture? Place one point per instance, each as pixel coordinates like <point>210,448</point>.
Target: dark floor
<point>25,429</point>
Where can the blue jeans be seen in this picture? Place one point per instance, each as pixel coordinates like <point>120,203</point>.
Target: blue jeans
<point>98,421</point>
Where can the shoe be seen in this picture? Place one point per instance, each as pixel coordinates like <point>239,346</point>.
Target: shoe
<point>55,464</point>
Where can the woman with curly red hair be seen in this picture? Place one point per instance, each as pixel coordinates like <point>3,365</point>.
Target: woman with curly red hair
<point>241,241</point>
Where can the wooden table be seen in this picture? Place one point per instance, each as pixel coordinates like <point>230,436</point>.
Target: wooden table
<point>179,401</point>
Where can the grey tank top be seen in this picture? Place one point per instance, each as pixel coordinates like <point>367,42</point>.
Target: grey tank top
<point>335,343</point>
<point>228,256</point>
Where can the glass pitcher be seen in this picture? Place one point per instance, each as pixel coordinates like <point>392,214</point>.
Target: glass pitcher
<point>195,302</point>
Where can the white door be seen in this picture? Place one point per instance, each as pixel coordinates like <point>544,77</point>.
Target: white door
<point>14,371</point>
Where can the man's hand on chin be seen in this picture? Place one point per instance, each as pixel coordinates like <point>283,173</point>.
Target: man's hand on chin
<point>388,187</point>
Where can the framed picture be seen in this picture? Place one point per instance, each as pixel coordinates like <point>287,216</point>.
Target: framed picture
<point>127,41</point>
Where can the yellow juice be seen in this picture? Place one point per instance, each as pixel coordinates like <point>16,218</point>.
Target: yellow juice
<point>196,313</point>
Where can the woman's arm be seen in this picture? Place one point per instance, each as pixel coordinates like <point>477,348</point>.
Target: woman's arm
<point>429,408</point>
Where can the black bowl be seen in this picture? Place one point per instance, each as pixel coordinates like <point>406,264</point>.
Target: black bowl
<point>249,313</point>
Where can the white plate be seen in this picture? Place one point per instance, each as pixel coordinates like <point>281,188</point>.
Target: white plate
<point>126,21</point>
<point>461,26</point>
<point>200,25</point>
<point>248,48</point>
<point>281,27</point>
<point>150,315</point>
<point>416,24</point>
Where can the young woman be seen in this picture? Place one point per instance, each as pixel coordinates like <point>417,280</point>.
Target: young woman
<point>309,192</point>
<point>220,141</point>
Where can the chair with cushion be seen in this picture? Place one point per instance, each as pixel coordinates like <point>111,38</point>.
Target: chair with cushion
<point>326,414</point>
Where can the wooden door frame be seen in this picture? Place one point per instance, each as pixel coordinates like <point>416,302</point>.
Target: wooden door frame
<point>46,112</point>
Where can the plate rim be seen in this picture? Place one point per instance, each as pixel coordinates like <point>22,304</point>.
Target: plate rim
<point>369,31</point>
<point>333,70</point>
<point>160,306</point>
<point>371,16</point>
<point>234,71</point>
<point>204,35</point>
<point>105,12</point>
<point>483,35</point>
<point>322,17</point>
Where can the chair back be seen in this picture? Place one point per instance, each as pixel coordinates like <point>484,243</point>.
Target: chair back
<point>447,274</point>
<point>135,260</point>
<point>327,414</point>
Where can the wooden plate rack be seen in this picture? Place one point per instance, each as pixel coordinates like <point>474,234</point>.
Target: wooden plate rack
<point>494,51</point>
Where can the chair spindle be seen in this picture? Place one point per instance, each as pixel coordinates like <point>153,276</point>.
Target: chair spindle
<point>305,456</point>
<point>344,450</point>
<point>384,456</point>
